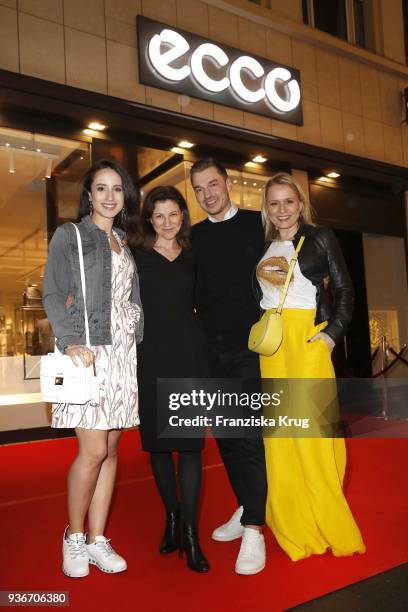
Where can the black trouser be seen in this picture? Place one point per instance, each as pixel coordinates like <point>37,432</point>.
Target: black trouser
<point>244,458</point>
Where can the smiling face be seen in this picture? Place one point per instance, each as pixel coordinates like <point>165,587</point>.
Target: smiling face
<point>283,208</point>
<point>107,194</point>
<point>167,219</point>
<point>212,192</point>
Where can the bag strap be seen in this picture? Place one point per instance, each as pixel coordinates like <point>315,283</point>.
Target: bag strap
<point>284,290</point>
<point>81,267</point>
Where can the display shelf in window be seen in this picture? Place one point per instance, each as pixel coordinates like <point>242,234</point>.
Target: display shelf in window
<point>34,329</point>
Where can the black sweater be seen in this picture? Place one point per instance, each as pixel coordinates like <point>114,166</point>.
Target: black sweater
<point>227,253</point>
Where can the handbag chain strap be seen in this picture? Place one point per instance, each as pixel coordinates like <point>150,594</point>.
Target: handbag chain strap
<point>284,290</point>
<point>81,267</point>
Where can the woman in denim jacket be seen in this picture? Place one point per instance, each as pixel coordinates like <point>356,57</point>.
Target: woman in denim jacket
<point>115,325</point>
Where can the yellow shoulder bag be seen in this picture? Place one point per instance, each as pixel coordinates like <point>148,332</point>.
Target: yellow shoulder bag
<point>266,335</point>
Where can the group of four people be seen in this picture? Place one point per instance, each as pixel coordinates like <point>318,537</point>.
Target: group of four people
<point>196,288</point>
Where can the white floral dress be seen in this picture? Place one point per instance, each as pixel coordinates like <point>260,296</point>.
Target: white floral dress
<point>115,363</point>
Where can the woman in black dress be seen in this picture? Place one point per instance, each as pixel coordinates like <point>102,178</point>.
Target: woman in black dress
<point>173,347</point>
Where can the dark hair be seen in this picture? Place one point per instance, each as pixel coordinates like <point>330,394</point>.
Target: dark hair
<point>147,233</point>
<point>127,219</point>
<point>204,164</point>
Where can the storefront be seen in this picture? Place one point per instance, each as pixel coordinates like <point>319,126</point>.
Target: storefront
<point>264,99</point>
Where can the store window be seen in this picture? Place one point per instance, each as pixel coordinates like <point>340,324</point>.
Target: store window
<point>40,187</point>
<point>351,20</point>
<point>405,16</point>
<point>246,192</point>
<point>387,298</point>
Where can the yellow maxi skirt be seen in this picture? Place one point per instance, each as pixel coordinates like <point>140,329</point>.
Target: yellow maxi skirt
<point>306,508</point>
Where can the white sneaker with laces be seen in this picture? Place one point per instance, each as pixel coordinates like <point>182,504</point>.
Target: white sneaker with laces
<point>101,554</point>
<point>232,530</point>
<point>74,554</point>
<point>251,558</point>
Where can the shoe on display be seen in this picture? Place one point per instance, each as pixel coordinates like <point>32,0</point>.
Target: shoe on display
<point>75,556</point>
<point>231,530</point>
<point>101,554</point>
<point>251,558</point>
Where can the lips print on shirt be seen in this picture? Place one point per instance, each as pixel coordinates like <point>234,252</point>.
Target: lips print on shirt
<point>274,271</point>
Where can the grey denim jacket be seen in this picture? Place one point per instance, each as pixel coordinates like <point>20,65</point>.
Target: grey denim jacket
<point>62,296</point>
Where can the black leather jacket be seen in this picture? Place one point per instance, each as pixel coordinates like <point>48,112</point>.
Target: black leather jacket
<point>320,257</point>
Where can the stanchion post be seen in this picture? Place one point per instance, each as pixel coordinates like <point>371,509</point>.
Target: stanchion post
<point>384,363</point>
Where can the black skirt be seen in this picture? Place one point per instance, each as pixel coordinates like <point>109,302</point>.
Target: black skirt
<point>173,345</point>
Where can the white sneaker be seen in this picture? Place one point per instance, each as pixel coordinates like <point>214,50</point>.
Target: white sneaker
<point>74,554</point>
<point>230,530</point>
<point>251,558</point>
<point>101,554</point>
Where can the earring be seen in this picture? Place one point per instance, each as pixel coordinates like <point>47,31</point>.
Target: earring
<point>90,206</point>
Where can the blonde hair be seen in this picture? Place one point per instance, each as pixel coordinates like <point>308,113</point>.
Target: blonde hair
<point>283,178</point>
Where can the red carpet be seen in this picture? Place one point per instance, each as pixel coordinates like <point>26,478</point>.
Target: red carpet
<point>33,517</point>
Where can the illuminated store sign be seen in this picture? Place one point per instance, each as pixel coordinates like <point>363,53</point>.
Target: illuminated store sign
<point>172,59</point>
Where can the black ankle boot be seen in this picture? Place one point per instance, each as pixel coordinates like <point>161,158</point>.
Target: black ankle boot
<point>196,560</point>
<point>171,536</point>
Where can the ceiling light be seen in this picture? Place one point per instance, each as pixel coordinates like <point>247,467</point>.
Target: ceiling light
<point>324,179</point>
<point>185,144</point>
<point>7,144</point>
<point>95,125</point>
<point>245,183</point>
<point>38,150</point>
<point>333,174</point>
<point>235,181</point>
<point>254,184</point>
<point>259,159</point>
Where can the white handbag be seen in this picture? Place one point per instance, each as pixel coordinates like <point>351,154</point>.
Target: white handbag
<point>62,382</point>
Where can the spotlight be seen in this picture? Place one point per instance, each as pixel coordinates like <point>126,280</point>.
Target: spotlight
<point>95,125</point>
<point>259,159</point>
<point>185,144</point>
<point>333,174</point>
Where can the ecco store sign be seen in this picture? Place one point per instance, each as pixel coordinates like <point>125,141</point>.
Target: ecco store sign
<point>182,62</point>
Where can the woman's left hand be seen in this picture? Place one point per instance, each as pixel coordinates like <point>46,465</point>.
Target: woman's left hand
<point>322,336</point>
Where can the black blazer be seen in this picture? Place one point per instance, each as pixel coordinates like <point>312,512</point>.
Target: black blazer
<point>320,257</point>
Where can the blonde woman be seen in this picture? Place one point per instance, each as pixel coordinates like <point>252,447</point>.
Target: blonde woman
<point>306,508</point>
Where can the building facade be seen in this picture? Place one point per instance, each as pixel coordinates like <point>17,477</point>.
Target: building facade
<point>65,64</point>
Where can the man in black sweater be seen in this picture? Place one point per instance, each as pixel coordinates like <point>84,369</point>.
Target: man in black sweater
<point>228,245</point>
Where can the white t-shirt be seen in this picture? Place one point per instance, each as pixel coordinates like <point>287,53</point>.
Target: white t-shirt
<point>271,273</point>
<point>231,212</point>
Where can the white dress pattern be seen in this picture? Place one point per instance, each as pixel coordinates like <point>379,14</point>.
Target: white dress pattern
<point>115,363</point>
